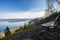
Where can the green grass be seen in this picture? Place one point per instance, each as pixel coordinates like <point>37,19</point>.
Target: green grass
<point>21,31</point>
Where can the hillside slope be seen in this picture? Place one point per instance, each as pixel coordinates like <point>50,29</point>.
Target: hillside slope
<point>32,31</point>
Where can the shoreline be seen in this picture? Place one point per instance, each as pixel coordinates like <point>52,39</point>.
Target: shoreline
<point>3,35</point>
<point>16,27</point>
<point>12,30</point>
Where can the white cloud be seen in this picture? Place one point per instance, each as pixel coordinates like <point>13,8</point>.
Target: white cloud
<point>34,13</point>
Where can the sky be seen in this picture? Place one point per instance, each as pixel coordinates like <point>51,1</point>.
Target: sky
<point>22,8</point>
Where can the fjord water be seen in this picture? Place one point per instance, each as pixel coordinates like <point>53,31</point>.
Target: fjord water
<point>11,25</point>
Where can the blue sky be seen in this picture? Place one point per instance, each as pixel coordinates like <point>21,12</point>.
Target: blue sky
<point>21,6</point>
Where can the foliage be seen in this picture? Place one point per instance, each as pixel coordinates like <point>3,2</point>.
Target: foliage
<point>7,32</point>
<point>25,26</point>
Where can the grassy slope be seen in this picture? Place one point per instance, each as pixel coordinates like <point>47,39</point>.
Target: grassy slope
<point>31,27</point>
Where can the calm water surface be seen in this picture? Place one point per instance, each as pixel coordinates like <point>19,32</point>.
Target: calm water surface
<point>11,25</point>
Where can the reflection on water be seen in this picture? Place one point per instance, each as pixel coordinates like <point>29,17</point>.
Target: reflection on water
<point>11,25</point>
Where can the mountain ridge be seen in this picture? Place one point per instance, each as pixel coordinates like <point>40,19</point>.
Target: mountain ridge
<point>14,20</point>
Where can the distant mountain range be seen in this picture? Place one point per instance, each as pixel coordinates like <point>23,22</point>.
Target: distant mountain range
<point>35,20</point>
<point>14,20</point>
<point>21,20</point>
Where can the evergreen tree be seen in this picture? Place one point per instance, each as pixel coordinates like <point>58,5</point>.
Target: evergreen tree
<point>25,26</point>
<point>21,27</point>
<point>7,32</point>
